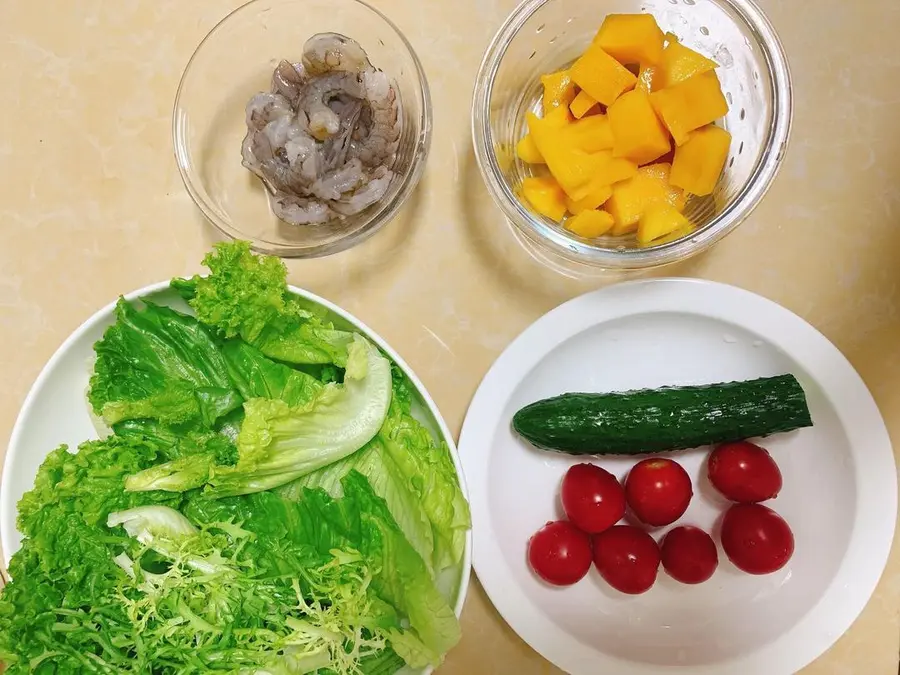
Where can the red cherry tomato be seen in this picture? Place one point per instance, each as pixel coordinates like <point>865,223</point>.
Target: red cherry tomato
<point>592,498</point>
<point>560,553</point>
<point>689,555</point>
<point>658,491</point>
<point>756,539</point>
<point>627,558</point>
<point>744,472</point>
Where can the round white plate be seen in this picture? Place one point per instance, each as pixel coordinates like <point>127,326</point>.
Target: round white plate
<point>55,412</point>
<point>839,495</point>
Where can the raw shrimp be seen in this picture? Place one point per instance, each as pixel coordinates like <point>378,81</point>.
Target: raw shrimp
<point>323,141</point>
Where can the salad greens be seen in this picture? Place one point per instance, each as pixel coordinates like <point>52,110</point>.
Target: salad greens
<point>266,502</point>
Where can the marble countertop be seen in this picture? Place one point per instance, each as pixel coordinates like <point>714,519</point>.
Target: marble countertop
<point>91,205</point>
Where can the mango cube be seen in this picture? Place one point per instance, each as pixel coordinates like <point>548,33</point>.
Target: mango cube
<point>610,169</point>
<point>647,79</point>
<point>679,63</point>
<point>597,196</point>
<point>637,133</point>
<point>545,196</point>
<point>658,220</point>
<point>528,151</point>
<point>689,105</point>
<point>590,134</point>
<point>590,224</point>
<point>601,76</point>
<point>582,104</point>
<point>631,38</point>
<point>699,162</point>
<point>631,198</point>
<point>559,90</point>
<point>572,168</point>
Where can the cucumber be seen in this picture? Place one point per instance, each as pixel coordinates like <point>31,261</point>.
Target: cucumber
<point>669,418</point>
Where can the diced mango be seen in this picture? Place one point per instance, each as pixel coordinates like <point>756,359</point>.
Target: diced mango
<point>590,224</point>
<point>572,168</point>
<point>559,90</point>
<point>596,197</point>
<point>582,104</point>
<point>601,76</point>
<point>631,38</point>
<point>658,220</point>
<point>689,105</point>
<point>675,235</point>
<point>630,198</point>
<point>590,134</point>
<point>528,151</point>
<point>646,81</point>
<point>558,117</point>
<point>545,196</point>
<point>610,169</point>
<point>637,133</point>
<point>699,162</point>
<point>679,63</point>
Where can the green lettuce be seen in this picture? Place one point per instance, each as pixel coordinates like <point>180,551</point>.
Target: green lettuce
<point>279,442</point>
<point>415,476</point>
<point>160,364</point>
<point>246,295</point>
<point>188,584</point>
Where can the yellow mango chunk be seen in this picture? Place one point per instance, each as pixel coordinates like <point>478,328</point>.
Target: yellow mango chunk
<point>679,63</point>
<point>689,105</point>
<point>631,38</point>
<point>572,168</point>
<point>637,133</point>
<point>582,104</point>
<point>699,162</point>
<point>590,224</point>
<point>558,117</point>
<point>590,134</point>
<point>528,151</point>
<point>559,90</point>
<point>675,235</point>
<point>646,81</point>
<point>601,76</point>
<point>658,220</point>
<point>630,198</point>
<point>545,196</point>
<point>597,196</point>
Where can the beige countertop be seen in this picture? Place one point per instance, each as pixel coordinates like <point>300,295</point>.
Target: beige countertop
<point>91,205</point>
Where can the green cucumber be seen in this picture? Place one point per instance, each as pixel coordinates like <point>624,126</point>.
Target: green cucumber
<point>669,418</point>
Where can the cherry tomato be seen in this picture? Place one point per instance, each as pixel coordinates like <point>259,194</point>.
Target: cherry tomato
<point>560,553</point>
<point>592,498</point>
<point>627,557</point>
<point>744,472</point>
<point>689,555</point>
<point>658,491</point>
<point>756,539</point>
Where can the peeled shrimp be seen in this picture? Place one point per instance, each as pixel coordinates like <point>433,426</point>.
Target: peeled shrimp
<point>324,139</point>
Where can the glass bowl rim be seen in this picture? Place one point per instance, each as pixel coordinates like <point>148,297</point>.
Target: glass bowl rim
<point>379,218</point>
<point>578,250</point>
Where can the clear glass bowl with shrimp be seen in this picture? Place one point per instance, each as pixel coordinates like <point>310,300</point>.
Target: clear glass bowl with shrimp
<point>302,125</point>
<point>546,36</point>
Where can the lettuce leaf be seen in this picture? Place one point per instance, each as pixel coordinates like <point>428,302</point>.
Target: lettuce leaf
<point>279,442</point>
<point>415,476</point>
<point>359,521</point>
<point>246,295</point>
<point>160,364</point>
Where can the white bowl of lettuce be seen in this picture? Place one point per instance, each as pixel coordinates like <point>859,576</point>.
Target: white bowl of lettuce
<point>256,483</point>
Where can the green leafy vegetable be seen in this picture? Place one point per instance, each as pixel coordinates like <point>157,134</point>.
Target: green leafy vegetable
<point>279,443</point>
<point>246,295</point>
<point>158,363</point>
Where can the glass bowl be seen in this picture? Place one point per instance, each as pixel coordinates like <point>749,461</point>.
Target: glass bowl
<point>234,62</point>
<point>542,36</point>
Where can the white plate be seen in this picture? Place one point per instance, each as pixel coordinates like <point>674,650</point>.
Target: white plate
<point>839,496</point>
<point>55,412</point>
